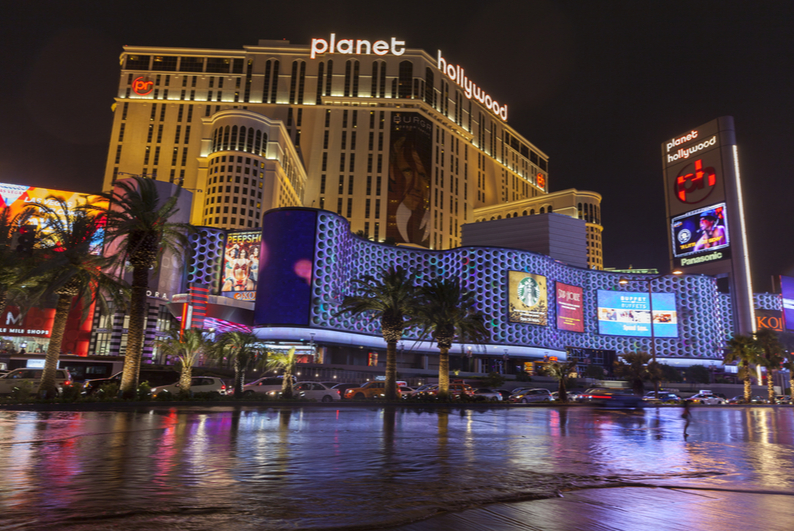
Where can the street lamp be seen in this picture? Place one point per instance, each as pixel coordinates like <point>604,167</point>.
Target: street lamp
<point>624,281</point>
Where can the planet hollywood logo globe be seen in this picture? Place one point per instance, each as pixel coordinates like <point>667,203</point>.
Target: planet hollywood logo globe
<point>529,291</point>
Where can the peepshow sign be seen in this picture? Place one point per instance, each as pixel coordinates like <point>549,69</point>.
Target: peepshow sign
<point>241,265</point>
<point>622,313</point>
<point>569,307</point>
<point>527,298</point>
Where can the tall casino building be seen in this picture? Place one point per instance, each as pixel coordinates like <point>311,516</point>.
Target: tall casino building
<point>403,144</point>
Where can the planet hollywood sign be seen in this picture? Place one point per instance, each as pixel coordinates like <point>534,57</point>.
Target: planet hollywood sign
<point>397,48</point>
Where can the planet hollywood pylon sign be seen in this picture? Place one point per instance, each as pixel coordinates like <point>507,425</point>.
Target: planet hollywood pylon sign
<point>332,45</point>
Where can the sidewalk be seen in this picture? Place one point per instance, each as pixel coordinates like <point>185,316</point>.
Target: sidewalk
<point>626,509</point>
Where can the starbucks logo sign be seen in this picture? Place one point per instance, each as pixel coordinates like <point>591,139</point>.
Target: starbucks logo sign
<point>529,291</point>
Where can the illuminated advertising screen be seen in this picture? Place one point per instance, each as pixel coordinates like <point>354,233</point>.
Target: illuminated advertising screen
<point>569,307</point>
<point>527,298</point>
<point>787,289</point>
<point>17,197</point>
<point>284,294</point>
<point>622,313</point>
<point>701,235</point>
<point>410,166</point>
<point>241,265</point>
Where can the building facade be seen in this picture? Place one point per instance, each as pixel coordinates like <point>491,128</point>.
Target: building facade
<point>574,203</point>
<point>401,143</point>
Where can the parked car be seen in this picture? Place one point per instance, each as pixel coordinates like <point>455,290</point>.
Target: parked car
<point>267,385</point>
<point>613,398</point>
<point>198,384</point>
<point>342,387</point>
<point>316,391</point>
<point>487,394</point>
<point>785,400</point>
<point>17,377</point>
<point>505,393</point>
<point>154,377</point>
<point>708,398</point>
<point>405,390</point>
<point>455,390</point>
<point>665,397</point>
<point>375,389</point>
<point>531,395</point>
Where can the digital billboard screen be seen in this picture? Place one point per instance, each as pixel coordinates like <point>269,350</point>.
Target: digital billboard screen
<point>622,313</point>
<point>241,265</point>
<point>527,298</point>
<point>569,307</point>
<point>700,235</point>
<point>787,292</point>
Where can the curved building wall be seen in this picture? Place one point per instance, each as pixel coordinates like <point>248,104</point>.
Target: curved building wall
<point>340,257</point>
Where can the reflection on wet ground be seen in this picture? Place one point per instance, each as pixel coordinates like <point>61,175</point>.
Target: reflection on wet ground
<point>348,468</point>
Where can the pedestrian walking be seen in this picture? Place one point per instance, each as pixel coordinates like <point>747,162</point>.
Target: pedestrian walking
<point>686,415</point>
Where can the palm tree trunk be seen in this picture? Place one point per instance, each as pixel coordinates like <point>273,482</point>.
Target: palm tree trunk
<point>390,384</point>
<point>185,374</point>
<point>48,387</point>
<point>771,395</point>
<point>135,333</point>
<point>238,377</point>
<point>287,383</point>
<point>562,396</point>
<point>444,373</point>
<point>747,385</point>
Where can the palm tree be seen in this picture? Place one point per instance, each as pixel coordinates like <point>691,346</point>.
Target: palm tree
<point>186,345</point>
<point>286,362</point>
<point>15,278</point>
<point>447,312</point>
<point>240,348</point>
<point>73,269</point>
<point>561,371</point>
<point>771,357</point>
<point>392,299</point>
<point>746,352</point>
<point>138,233</point>
<point>790,366</point>
<point>633,367</point>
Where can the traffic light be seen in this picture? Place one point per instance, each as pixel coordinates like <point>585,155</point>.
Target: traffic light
<point>26,240</point>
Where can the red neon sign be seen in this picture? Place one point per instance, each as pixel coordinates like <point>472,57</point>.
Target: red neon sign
<point>142,86</point>
<point>541,180</point>
<point>690,187</point>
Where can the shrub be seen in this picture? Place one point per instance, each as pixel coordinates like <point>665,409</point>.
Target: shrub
<point>523,377</point>
<point>72,393</point>
<point>108,391</point>
<point>22,391</point>
<point>494,380</point>
<point>144,391</point>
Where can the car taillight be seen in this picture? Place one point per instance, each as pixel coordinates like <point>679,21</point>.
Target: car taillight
<point>67,382</point>
<point>599,396</point>
<point>223,386</point>
<point>338,392</point>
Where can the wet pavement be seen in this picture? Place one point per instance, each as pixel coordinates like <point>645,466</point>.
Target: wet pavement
<point>414,469</point>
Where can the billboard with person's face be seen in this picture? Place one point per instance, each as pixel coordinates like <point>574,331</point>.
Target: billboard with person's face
<point>527,298</point>
<point>410,165</point>
<point>700,235</point>
<point>241,265</point>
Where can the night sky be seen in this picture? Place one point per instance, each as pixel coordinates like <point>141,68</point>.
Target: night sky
<point>597,85</point>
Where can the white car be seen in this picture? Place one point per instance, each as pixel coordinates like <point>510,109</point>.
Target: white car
<point>267,385</point>
<point>708,399</point>
<point>18,377</point>
<point>316,391</point>
<point>198,384</point>
<point>487,394</point>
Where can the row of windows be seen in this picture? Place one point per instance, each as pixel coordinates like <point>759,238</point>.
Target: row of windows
<point>234,138</point>
<point>170,63</point>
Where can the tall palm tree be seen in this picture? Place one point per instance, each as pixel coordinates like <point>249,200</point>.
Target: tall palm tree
<point>448,312</point>
<point>746,352</point>
<point>771,358</point>
<point>240,347</point>
<point>561,371</point>
<point>790,366</point>
<point>634,368</point>
<point>138,233</point>
<point>185,345</point>
<point>391,297</point>
<point>285,362</point>
<point>69,262</point>
<point>15,268</point>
